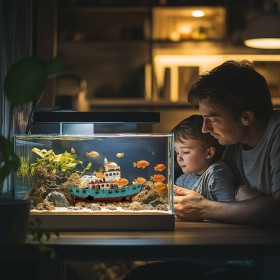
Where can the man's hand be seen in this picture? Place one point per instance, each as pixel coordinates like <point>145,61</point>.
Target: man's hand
<point>188,205</point>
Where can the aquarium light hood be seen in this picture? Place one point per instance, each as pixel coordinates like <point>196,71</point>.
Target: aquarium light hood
<point>87,123</point>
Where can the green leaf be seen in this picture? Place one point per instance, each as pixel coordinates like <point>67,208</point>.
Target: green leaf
<point>38,152</point>
<point>48,235</point>
<point>25,80</point>
<point>57,66</point>
<point>9,161</point>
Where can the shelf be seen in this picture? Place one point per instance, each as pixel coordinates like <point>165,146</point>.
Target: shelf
<point>136,103</point>
<point>115,9</point>
<point>187,41</point>
<point>144,40</point>
<point>105,41</point>
<point>141,103</point>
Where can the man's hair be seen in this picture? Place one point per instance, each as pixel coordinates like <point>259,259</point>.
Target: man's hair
<point>191,128</point>
<point>235,87</point>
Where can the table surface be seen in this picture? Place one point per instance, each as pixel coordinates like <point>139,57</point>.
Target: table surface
<point>189,239</point>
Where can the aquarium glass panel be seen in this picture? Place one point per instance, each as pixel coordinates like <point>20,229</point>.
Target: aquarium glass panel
<point>110,173</point>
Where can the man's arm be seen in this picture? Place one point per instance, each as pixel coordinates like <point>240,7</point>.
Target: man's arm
<point>191,206</point>
<point>244,192</point>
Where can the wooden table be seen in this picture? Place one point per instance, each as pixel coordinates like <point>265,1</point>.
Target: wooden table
<point>188,240</point>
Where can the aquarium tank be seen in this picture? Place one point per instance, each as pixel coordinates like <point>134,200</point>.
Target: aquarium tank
<point>101,181</point>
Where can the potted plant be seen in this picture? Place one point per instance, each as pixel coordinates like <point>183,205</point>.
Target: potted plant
<point>25,80</point>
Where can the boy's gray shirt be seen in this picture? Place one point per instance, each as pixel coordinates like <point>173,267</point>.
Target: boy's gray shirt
<point>258,167</point>
<point>216,183</point>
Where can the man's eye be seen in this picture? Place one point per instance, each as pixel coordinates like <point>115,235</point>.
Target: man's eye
<point>211,120</point>
<point>186,153</point>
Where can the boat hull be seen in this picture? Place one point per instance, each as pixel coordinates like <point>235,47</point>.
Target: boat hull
<point>118,194</point>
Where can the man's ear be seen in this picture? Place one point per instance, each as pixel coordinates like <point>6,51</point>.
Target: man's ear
<point>247,117</point>
<point>210,152</point>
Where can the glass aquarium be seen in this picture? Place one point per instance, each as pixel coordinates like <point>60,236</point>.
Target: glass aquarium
<point>100,181</point>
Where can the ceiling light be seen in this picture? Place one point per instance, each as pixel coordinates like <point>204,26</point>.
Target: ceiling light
<point>263,32</point>
<point>197,13</point>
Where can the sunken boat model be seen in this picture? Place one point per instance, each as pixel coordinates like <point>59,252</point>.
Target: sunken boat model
<point>107,186</point>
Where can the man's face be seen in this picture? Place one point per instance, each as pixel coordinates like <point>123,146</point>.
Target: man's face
<point>221,124</point>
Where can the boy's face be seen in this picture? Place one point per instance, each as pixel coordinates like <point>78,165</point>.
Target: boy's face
<point>191,156</point>
<point>221,124</point>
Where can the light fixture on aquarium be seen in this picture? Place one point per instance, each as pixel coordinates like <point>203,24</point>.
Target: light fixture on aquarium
<point>65,122</point>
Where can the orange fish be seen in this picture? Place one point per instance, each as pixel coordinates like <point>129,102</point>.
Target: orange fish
<point>99,175</point>
<point>92,154</point>
<point>120,155</point>
<point>140,180</point>
<point>141,164</point>
<point>160,186</point>
<point>112,165</point>
<point>159,167</point>
<point>158,178</point>
<point>121,182</point>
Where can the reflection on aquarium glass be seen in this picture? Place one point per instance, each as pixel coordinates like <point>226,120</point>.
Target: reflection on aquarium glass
<point>100,174</point>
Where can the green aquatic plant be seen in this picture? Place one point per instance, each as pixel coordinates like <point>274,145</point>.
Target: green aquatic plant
<point>56,163</point>
<point>24,169</point>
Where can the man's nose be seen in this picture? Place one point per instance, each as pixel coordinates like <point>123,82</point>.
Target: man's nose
<point>205,127</point>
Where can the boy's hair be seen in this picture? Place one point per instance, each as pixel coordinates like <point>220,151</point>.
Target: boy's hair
<point>235,87</point>
<point>191,128</point>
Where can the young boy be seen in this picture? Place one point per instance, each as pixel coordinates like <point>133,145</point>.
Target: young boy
<point>198,155</point>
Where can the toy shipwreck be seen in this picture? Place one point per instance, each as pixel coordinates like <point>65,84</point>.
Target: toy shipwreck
<point>107,186</point>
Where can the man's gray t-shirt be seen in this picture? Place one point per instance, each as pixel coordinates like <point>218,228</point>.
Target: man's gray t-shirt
<point>258,167</point>
<point>216,183</point>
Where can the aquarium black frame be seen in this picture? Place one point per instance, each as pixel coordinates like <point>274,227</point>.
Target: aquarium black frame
<point>96,117</point>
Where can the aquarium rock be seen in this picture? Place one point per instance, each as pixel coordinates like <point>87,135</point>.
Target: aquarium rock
<point>94,207</point>
<point>58,199</point>
<point>111,207</point>
<point>148,194</point>
<point>74,180</point>
<point>136,206</point>
<point>45,205</point>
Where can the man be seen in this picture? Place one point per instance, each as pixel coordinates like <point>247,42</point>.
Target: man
<point>236,105</point>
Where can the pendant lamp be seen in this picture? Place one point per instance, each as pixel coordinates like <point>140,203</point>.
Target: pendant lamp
<point>263,32</point>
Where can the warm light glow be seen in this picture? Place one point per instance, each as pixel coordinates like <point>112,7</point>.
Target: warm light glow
<point>186,29</point>
<point>204,62</point>
<point>174,36</point>
<point>82,104</point>
<point>185,32</point>
<point>263,43</point>
<point>198,13</point>
<point>174,85</point>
